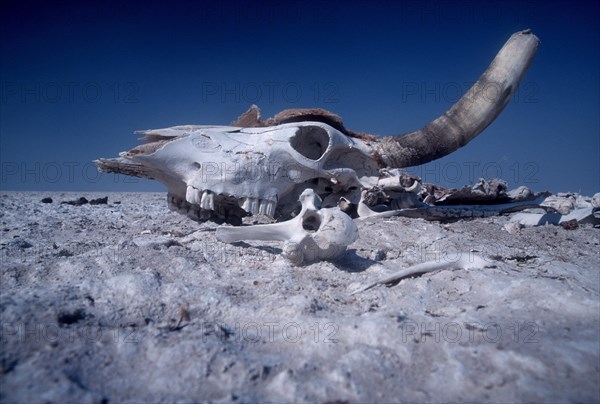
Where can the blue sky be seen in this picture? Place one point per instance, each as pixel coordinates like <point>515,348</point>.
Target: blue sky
<point>77,79</point>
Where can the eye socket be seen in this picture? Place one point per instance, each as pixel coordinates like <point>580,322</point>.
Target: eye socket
<point>310,141</point>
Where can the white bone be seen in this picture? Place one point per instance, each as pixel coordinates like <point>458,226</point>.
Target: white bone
<point>540,219</point>
<point>596,200</point>
<point>465,261</point>
<point>365,212</point>
<point>246,168</point>
<point>314,234</point>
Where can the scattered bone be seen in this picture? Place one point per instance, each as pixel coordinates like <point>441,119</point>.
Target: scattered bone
<point>596,207</point>
<point>584,215</point>
<point>562,203</point>
<point>455,212</point>
<point>390,183</point>
<point>406,200</point>
<point>521,193</point>
<point>466,260</point>
<point>483,191</point>
<point>364,211</point>
<point>314,234</point>
<point>596,201</point>
<point>562,208</point>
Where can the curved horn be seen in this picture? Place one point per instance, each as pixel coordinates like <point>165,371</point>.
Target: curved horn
<point>470,115</point>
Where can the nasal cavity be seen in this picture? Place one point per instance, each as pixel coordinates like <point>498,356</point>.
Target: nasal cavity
<point>311,221</point>
<point>310,141</point>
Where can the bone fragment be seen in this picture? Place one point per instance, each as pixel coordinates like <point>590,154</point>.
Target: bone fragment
<point>450,212</point>
<point>365,212</point>
<point>467,260</point>
<point>582,215</point>
<point>596,200</point>
<point>467,211</point>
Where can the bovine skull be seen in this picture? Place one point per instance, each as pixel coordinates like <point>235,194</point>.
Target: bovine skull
<point>231,171</point>
<point>223,173</point>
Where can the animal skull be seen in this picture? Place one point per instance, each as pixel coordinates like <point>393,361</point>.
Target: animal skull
<point>314,234</point>
<point>234,171</point>
<point>223,173</point>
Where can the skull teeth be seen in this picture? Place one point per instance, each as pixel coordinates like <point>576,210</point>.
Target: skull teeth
<point>207,201</point>
<point>255,205</point>
<point>245,204</point>
<point>193,195</point>
<point>267,208</point>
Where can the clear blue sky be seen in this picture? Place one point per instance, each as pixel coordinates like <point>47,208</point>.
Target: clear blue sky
<point>77,79</point>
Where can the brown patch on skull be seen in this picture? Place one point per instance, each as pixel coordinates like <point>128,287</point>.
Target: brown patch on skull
<point>251,119</point>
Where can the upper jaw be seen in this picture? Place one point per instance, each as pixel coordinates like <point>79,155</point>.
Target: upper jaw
<point>204,204</point>
<point>205,198</point>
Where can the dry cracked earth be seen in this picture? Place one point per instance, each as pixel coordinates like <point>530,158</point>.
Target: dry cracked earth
<point>126,301</point>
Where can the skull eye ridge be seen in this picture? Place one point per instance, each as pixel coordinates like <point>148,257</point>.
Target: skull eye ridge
<point>310,141</point>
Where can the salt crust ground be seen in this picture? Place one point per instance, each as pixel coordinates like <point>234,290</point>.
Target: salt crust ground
<point>128,302</point>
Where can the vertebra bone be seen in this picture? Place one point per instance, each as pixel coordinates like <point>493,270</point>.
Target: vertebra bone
<point>315,234</point>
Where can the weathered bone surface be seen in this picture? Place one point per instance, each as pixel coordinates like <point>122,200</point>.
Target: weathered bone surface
<point>465,260</point>
<point>313,235</point>
<point>223,173</point>
<point>560,209</point>
<point>228,172</point>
